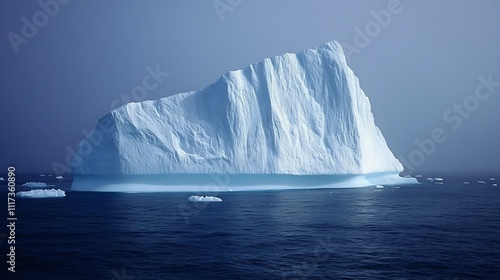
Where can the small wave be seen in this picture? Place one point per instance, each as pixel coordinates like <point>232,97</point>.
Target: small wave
<point>36,185</point>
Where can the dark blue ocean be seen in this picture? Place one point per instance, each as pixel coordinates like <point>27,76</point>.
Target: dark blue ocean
<point>425,231</point>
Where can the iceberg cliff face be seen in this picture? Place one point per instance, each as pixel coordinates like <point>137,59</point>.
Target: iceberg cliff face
<point>299,114</point>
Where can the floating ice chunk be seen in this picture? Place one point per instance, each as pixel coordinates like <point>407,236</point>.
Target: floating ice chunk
<point>35,185</point>
<point>418,176</point>
<point>59,177</point>
<point>434,179</point>
<point>466,183</point>
<point>481,182</point>
<point>494,185</point>
<point>379,187</point>
<point>492,179</point>
<point>42,193</point>
<point>1,179</point>
<point>196,198</point>
<point>439,183</point>
<point>407,176</point>
<point>42,175</point>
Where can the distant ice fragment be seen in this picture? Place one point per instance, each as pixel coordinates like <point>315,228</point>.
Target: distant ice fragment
<point>492,179</point>
<point>196,198</point>
<point>59,177</point>
<point>481,182</point>
<point>42,175</point>
<point>379,187</point>
<point>466,183</point>
<point>494,185</point>
<point>434,179</point>
<point>35,185</point>
<point>1,179</point>
<point>418,176</point>
<point>42,193</point>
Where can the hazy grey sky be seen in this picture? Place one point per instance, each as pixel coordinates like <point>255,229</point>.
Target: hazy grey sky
<point>64,65</point>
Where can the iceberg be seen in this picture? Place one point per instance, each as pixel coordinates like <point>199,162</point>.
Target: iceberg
<point>42,193</point>
<point>35,185</point>
<point>1,179</point>
<point>297,120</point>
<point>196,198</point>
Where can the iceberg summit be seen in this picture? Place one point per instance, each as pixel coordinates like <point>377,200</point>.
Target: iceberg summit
<point>294,121</point>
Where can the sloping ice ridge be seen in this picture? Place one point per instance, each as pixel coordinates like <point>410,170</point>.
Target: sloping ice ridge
<point>298,117</point>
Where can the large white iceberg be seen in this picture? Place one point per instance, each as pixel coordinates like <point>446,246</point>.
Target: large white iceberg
<point>42,193</point>
<point>297,114</point>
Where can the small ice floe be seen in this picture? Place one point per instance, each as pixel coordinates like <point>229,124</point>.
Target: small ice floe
<point>196,198</point>
<point>466,183</point>
<point>494,185</point>
<point>59,177</point>
<point>42,175</point>
<point>378,188</point>
<point>434,179</point>
<point>408,176</point>
<point>418,176</point>
<point>42,193</point>
<point>481,182</point>
<point>1,179</point>
<point>35,185</point>
<point>492,179</point>
<point>439,183</point>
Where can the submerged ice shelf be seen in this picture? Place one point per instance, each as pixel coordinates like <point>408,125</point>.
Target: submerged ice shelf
<point>298,120</point>
<point>235,182</point>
